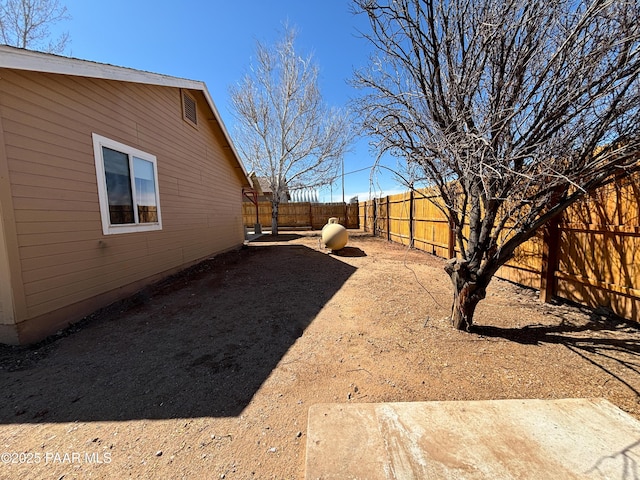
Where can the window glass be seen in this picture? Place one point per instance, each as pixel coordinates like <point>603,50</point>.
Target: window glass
<point>127,187</point>
<point>145,190</point>
<point>116,169</point>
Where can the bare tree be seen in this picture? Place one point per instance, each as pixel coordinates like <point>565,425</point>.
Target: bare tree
<point>285,131</point>
<point>510,109</point>
<point>26,23</point>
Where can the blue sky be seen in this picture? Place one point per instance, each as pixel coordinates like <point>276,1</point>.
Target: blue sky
<point>213,41</point>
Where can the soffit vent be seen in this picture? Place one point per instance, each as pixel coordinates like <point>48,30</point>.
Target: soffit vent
<point>189,108</point>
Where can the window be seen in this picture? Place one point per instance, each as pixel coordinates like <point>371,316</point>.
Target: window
<point>127,187</point>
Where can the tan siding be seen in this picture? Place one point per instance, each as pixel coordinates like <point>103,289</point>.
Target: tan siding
<point>55,187</point>
<point>12,299</point>
<point>53,171</point>
<point>51,193</point>
<point>31,228</point>
<point>64,257</point>
<point>41,268</point>
<point>6,296</point>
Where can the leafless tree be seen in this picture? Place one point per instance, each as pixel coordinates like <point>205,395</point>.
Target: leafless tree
<point>285,132</point>
<point>26,23</point>
<point>510,109</point>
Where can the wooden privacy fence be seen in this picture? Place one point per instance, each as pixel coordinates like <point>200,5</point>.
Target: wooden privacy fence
<point>300,215</point>
<point>590,255</point>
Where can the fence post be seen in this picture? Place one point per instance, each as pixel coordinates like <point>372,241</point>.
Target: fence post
<point>346,216</point>
<point>550,245</point>
<point>388,221</point>
<point>452,240</point>
<point>365,217</point>
<point>411,216</point>
<point>376,212</point>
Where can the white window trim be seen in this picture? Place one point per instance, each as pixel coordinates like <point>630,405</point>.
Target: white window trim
<point>107,228</point>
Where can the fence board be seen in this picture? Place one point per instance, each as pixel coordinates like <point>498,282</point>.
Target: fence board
<point>596,256</point>
<point>431,226</point>
<point>367,213</point>
<point>599,251</point>
<point>312,216</point>
<point>399,214</point>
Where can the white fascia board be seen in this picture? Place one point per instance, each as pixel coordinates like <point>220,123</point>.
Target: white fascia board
<point>21,59</point>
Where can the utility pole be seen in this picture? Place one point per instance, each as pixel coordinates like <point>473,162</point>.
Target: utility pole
<point>343,180</point>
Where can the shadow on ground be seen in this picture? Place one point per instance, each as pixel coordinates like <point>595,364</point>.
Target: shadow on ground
<point>349,252</point>
<point>606,341</point>
<point>198,345</point>
<point>282,237</point>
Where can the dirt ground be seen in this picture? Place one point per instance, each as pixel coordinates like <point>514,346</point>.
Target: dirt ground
<point>210,374</point>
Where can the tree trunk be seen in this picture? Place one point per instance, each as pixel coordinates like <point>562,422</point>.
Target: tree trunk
<point>274,217</point>
<point>466,293</point>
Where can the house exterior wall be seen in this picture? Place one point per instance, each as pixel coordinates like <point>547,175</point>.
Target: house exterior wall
<point>9,284</point>
<point>65,266</point>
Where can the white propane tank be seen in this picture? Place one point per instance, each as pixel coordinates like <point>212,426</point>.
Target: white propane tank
<point>334,235</point>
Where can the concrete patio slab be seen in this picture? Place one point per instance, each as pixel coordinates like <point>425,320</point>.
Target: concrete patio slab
<point>496,439</point>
